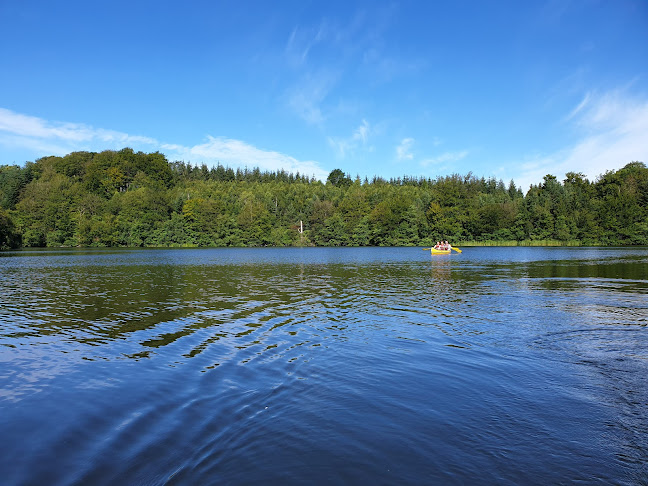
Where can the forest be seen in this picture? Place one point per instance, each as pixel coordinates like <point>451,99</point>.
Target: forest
<point>134,199</point>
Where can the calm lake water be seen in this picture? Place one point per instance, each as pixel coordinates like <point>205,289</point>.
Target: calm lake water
<point>324,366</point>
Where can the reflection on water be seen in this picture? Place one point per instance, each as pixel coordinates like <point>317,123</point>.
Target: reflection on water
<point>511,365</point>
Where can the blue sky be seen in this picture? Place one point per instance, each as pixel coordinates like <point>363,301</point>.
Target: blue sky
<point>509,89</point>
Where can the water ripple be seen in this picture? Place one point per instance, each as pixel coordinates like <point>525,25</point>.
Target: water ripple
<point>222,367</point>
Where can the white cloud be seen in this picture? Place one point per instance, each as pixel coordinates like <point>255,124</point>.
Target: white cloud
<point>31,126</point>
<point>444,157</point>
<point>60,138</point>
<point>41,137</point>
<point>612,131</point>
<point>34,146</point>
<point>237,153</point>
<point>357,140</point>
<point>403,150</point>
<point>173,147</point>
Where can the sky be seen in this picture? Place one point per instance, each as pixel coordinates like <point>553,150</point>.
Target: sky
<point>506,89</point>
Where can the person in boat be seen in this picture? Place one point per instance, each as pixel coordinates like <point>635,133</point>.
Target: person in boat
<point>447,245</point>
<point>437,246</point>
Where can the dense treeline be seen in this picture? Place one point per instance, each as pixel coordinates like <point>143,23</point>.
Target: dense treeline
<point>127,198</point>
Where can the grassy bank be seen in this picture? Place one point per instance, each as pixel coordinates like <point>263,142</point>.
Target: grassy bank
<point>521,243</point>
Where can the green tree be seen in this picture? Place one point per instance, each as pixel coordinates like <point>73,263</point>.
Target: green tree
<point>9,237</point>
<point>338,178</point>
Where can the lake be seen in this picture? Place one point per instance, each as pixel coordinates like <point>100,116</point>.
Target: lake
<point>324,366</point>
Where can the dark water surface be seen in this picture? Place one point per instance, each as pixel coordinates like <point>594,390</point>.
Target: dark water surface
<point>324,366</point>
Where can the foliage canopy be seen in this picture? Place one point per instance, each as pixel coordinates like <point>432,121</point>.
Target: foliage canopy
<point>127,198</point>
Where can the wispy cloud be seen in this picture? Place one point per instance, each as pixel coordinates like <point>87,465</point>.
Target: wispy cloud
<point>321,54</point>
<point>311,86</point>
<point>358,139</point>
<point>404,149</point>
<point>611,131</point>
<point>42,137</point>
<point>579,108</point>
<point>302,40</point>
<point>385,68</point>
<point>306,96</point>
